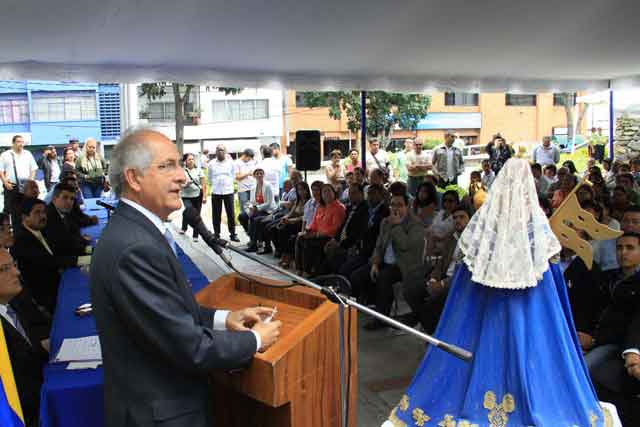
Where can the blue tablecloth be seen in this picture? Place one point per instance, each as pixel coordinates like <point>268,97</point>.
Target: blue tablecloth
<point>74,398</point>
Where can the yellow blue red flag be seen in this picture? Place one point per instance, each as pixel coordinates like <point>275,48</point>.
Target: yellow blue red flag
<point>10,410</point>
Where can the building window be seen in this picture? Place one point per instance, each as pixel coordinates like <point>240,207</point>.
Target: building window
<point>64,106</point>
<point>461,99</point>
<point>236,110</point>
<point>559,99</point>
<point>520,100</point>
<point>109,101</point>
<point>14,109</point>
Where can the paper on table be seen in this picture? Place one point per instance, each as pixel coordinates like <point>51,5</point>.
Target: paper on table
<point>79,350</point>
<point>84,365</point>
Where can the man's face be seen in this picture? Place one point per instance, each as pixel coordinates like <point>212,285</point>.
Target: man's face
<point>158,187</point>
<point>398,206</point>
<point>31,190</point>
<point>354,157</point>
<point>417,147</point>
<point>18,143</point>
<point>9,278</point>
<point>628,252</point>
<point>355,195</point>
<point>631,222</point>
<point>75,146</point>
<point>64,201</point>
<point>275,150</point>
<point>358,176</point>
<point>374,146</point>
<point>460,220</point>
<point>624,181</point>
<point>221,153</point>
<point>52,154</point>
<point>486,167</point>
<point>316,192</point>
<point>546,142</point>
<point>448,139</point>
<point>37,219</point>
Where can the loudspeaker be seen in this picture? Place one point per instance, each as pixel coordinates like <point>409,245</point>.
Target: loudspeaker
<point>308,150</point>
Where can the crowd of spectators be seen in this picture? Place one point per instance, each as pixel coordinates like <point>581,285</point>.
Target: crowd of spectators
<point>389,231</point>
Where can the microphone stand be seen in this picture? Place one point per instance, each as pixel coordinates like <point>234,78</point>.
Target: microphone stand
<point>345,301</point>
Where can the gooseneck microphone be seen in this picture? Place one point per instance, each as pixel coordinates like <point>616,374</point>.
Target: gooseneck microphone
<point>193,218</point>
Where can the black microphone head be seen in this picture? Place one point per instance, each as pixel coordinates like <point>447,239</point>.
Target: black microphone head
<point>192,216</point>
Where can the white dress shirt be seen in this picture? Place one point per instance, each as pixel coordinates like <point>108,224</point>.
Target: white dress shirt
<point>220,317</point>
<point>221,176</point>
<point>3,313</point>
<point>25,165</point>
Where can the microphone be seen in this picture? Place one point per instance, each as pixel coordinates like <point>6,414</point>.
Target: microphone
<point>107,206</point>
<point>192,216</point>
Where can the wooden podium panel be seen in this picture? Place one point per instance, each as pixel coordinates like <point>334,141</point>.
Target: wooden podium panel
<point>296,382</point>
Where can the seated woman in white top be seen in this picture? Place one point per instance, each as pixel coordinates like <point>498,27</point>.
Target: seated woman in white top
<point>261,203</point>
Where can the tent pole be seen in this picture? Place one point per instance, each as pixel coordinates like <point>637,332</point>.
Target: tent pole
<point>612,123</point>
<point>363,128</point>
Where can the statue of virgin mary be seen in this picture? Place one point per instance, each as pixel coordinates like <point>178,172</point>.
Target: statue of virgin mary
<point>508,305</point>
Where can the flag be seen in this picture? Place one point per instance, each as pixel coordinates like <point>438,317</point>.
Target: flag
<point>10,410</point>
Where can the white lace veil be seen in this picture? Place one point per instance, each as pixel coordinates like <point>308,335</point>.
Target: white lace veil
<point>508,242</point>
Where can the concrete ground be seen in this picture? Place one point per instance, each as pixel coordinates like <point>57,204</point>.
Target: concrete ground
<point>387,359</point>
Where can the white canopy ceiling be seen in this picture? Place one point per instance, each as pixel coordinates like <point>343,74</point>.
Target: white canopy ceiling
<point>405,45</point>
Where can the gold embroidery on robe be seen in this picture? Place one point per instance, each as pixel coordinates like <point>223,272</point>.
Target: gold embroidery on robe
<point>393,419</point>
<point>420,417</point>
<point>498,413</point>
<point>404,403</point>
<point>608,418</point>
<point>448,421</point>
<point>593,418</point>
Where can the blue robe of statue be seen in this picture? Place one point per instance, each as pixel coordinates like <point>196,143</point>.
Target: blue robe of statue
<point>527,368</point>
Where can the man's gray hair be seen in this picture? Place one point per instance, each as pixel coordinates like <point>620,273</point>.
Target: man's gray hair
<point>132,152</point>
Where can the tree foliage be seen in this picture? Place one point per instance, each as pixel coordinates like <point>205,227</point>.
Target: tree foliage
<point>181,96</point>
<point>385,110</point>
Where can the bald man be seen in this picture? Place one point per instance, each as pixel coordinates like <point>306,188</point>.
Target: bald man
<point>158,344</point>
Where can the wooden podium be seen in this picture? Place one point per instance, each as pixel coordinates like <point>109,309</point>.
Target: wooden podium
<point>296,382</point>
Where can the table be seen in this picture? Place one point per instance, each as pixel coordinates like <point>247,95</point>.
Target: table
<point>75,398</point>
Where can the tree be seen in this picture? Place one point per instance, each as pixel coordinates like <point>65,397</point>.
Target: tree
<point>181,97</point>
<point>568,101</point>
<point>385,110</point>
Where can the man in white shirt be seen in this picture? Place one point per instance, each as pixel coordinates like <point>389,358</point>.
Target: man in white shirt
<point>272,170</point>
<point>222,172</point>
<point>377,158</point>
<point>286,165</point>
<point>245,166</point>
<point>546,154</point>
<point>418,165</point>
<point>16,166</point>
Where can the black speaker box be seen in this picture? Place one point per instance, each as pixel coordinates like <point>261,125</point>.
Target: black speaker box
<point>308,150</point>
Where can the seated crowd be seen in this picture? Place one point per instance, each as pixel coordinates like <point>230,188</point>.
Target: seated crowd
<point>359,225</point>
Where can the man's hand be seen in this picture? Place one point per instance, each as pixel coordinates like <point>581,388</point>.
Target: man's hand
<point>586,341</point>
<point>632,363</point>
<point>269,333</point>
<point>8,185</point>
<point>395,218</point>
<point>436,287</point>
<point>243,320</point>
<point>45,344</point>
<point>375,270</point>
<point>204,200</point>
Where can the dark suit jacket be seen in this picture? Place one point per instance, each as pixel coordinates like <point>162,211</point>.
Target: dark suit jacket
<point>63,235</point>
<point>45,165</point>
<point>620,321</point>
<point>356,226</point>
<point>27,357</point>
<point>39,269</point>
<point>368,241</point>
<point>583,288</point>
<point>158,345</point>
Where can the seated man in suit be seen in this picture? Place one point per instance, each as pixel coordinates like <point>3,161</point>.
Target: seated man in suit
<point>397,257</point>
<point>617,375</point>
<point>79,218</point>
<point>344,245</point>
<point>26,331</point>
<point>62,232</point>
<point>427,300</point>
<point>39,265</point>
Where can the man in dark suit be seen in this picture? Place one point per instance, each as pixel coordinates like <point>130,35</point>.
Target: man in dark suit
<point>617,378</point>
<point>26,331</point>
<point>39,265</point>
<point>158,345</point>
<point>344,245</point>
<point>62,231</point>
<point>51,167</point>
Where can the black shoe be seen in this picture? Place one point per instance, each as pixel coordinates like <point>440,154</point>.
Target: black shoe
<point>251,248</point>
<point>374,325</point>
<point>408,319</point>
<point>234,238</point>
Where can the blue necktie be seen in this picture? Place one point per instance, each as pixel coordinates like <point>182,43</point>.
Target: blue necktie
<point>171,241</point>
<point>16,322</point>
